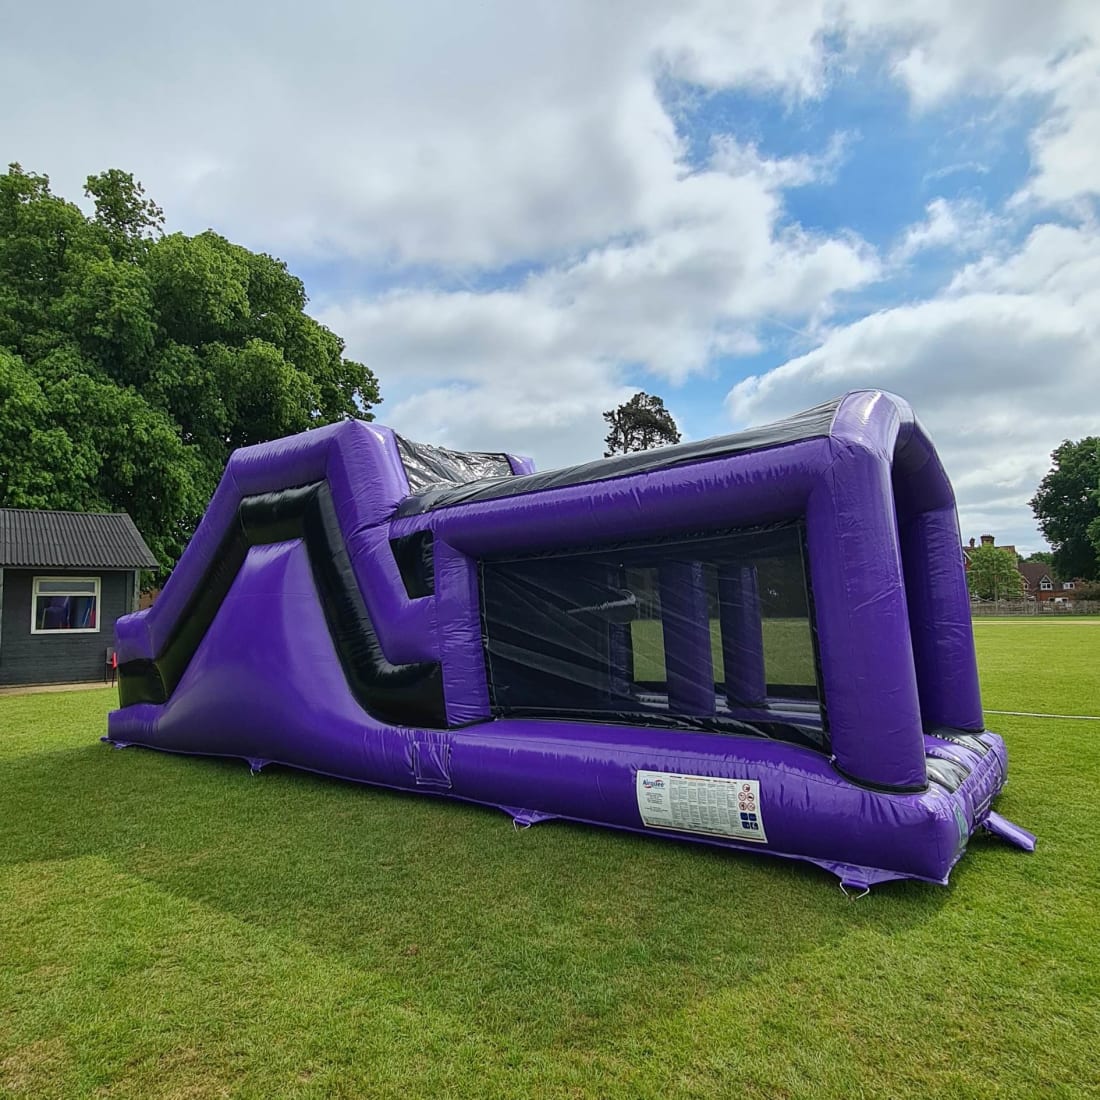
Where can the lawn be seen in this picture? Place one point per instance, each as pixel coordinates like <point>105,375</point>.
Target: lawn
<point>174,927</point>
<point>788,651</point>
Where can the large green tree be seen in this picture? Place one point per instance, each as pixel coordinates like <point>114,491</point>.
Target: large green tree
<point>638,424</point>
<point>132,363</point>
<point>1042,557</point>
<point>1067,507</point>
<point>991,574</point>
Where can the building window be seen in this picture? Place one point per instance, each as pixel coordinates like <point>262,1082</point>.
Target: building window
<point>69,604</point>
<point>1068,585</point>
<point>1046,584</point>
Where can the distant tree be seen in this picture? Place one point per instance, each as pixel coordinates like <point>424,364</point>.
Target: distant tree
<point>1067,507</point>
<point>128,219</point>
<point>1093,532</point>
<point>132,363</point>
<point>992,574</point>
<point>1043,557</point>
<point>1087,591</point>
<point>638,424</point>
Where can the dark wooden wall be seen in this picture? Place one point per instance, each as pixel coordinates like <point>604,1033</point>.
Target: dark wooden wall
<point>60,658</point>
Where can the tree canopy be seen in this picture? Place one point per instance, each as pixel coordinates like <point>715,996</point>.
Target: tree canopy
<point>132,363</point>
<point>992,574</point>
<point>1067,507</point>
<point>638,424</point>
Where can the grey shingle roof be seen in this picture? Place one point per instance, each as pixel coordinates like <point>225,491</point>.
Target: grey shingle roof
<point>71,540</point>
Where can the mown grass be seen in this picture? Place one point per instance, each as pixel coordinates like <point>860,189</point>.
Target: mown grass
<point>1048,666</point>
<point>174,927</point>
<point>788,651</point>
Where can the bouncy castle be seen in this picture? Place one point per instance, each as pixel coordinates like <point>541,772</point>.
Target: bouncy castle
<point>760,641</point>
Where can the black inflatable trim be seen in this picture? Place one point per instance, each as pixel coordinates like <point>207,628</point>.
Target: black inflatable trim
<point>415,557</point>
<point>402,694</point>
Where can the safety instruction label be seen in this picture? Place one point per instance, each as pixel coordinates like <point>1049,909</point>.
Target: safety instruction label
<point>700,804</point>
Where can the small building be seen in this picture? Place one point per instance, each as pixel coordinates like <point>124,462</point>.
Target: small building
<point>989,540</point>
<point>1041,583</point>
<point>65,577</point>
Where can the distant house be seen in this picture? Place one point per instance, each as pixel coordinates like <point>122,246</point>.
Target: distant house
<point>989,540</point>
<point>65,577</point>
<point>1041,583</point>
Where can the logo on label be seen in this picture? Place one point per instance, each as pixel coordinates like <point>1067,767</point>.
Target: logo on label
<point>649,784</point>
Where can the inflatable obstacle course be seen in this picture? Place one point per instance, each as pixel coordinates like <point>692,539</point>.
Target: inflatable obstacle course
<point>760,641</point>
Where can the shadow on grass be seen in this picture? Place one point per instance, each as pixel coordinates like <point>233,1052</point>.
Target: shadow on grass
<point>500,923</point>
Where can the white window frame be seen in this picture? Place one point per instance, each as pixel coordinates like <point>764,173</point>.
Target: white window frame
<point>1067,586</point>
<point>96,594</point>
<point>1046,584</point>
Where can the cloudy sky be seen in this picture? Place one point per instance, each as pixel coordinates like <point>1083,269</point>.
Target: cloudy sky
<point>519,213</point>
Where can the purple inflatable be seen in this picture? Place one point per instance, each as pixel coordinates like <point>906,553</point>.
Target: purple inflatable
<point>760,641</point>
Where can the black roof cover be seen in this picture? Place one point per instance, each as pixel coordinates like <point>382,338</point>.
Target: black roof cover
<point>71,540</point>
<point>811,424</point>
<point>429,467</point>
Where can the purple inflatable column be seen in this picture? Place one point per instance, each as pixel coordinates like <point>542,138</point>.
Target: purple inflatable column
<point>619,662</point>
<point>620,651</point>
<point>869,681</point>
<point>465,683</point>
<point>742,636</point>
<point>689,667</point>
<point>935,584</point>
<point>939,620</point>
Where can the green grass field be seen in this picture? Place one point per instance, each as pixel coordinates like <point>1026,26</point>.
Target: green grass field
<point>174,927</point>
<point>788,651</point>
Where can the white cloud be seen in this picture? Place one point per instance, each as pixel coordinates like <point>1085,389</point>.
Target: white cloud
<point>419,133</point>
<point>738,158</point>
<point>1001,368</point>
<point>718,44</point>
<point>415,134</point>
<point>549,353</point>
<point>430,133</point>
<point>1015,48</point>
<point>942,48</point>
<point>962,225</point>
<point>426,137</point>
<point>1064,147</point>
<point>1058,261</point>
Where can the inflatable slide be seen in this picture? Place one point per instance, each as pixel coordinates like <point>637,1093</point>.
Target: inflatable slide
<point>760,641</point>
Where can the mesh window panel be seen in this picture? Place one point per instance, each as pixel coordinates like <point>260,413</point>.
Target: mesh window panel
<point>709,632</point>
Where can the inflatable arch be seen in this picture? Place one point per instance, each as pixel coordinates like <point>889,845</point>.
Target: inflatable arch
<point>760,641</point>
